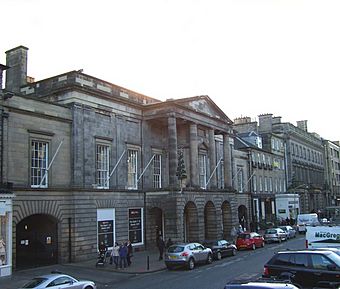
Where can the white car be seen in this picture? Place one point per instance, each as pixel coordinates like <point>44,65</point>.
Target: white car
<point>58,281</point>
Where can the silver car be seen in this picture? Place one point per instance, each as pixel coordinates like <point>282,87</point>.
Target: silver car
<point>57,280</point>
<point>289,230</point>
<point>187,255</point>
<point>275,235</point>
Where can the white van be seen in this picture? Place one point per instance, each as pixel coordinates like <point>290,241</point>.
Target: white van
<point>323,237</point>
<point>304,220</point>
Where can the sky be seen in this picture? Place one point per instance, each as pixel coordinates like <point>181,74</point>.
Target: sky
<point>250,57</point>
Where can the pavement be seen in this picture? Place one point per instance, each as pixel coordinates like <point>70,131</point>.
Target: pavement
<point>142,262</point>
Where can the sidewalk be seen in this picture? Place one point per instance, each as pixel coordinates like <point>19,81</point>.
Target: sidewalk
<point>142,262</point>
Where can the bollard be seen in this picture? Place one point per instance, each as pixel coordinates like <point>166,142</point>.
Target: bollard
<point>148,263</point>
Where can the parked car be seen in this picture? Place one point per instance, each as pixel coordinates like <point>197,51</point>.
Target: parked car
<point>289,230</point>
<point>221,248</point>
<point>58,280</point>
<point>274,235</point>
<point>187,255</point>
<point>249,240</point>
<point>260,284</point>
<point>308,268</point>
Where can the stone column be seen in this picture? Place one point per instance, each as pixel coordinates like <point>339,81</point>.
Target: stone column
<point>172,132</point>
<point>194,178</point>
<point>212,157</point>
<point>227,161</point>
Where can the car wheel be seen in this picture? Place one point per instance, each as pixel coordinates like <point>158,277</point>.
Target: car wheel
<point>253,246</point>
<point>191,264</point>
<point>209,259</point>
<point>218,255</point>
<point>280,240</point>
<point>233,252</point>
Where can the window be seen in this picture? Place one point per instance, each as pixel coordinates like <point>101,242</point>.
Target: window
<point>299,260</point>
<point>320,262</point>
<point>240,180</point>
<point>102,166</point>
<point>157,177</point>
<point>260,183</point>
<point>132,168</point>
<point>202,170</point>
<point>39,164</point>
<point>265,184</point>
<point>270,184</point>
<point>254,184</point>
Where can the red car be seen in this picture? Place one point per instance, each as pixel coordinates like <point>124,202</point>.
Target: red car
<point>249,240</point>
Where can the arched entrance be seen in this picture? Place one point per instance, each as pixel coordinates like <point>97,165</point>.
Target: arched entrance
<point>210,230</point>
<point>156,224</point>
<point>226,220</point>
<point>36,241</point>
<point>243,217</point>
<point>191,228</point>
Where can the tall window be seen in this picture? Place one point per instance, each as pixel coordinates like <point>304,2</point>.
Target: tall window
<point>254,184</point>
<point>157,177</point>
<point>102,166</point>
<point>202,161</point>
<point>39,163</point>
<point>265,184</point>
<point>132,169</point>
<point>260,184</point>
<point>240,180</point>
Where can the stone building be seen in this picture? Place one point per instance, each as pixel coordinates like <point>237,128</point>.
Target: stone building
<point>92,162</point>
<point>332,172</point>
<point>302,153</point>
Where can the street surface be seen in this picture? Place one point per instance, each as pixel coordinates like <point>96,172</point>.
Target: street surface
<point>245,265</point>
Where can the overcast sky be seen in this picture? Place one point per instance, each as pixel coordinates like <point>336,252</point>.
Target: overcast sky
<point>251,57</point>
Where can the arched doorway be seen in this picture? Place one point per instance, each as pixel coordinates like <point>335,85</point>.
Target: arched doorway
<point>156,224</point>
<point>210,230</point>
<point>36,241</point>
<point>191,228</point>
<point>226,220</point>
<point>243,217</point>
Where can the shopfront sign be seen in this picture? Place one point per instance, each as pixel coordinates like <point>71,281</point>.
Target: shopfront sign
<point>135,225</point>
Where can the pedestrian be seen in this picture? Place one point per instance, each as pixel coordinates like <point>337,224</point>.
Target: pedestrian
<point>169,243</point>
<point>233,234</point>
<point>240,229</point>
<point>115,255</point>
<point>129,252</point>
<point>161,247</point>
<point>123,255</point>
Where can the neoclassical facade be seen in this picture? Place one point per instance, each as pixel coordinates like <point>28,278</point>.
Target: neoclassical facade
<point>90,162</point>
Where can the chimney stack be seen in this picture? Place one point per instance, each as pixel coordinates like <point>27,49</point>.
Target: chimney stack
<point>16,75</point>
<point>302,124</point>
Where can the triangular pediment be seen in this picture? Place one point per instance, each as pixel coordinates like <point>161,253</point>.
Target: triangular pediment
<point>203,104</point>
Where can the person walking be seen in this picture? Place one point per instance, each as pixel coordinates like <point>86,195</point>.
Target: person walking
<point>129,252</point>
<point>169,243</point>
<point>115,254</point>
<point>233,234</point>
<point>122,255</point>
<point>161,247</point>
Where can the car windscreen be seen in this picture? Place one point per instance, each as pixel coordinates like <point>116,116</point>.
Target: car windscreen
<point>244,236</point>
<point>175,249</point>
<point>34,283</point>
<point>335,258</point>
<point>271,232</point>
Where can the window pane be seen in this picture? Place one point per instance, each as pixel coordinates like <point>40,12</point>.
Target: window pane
<point>132,169</point>
<point>39,163</point>
<point>157,171</point>
<point>102,166</point>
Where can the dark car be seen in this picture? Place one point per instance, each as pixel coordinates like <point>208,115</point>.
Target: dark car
<point>221,248</point>
<point>307,268</point>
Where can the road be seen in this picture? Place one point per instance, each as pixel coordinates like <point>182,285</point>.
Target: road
<point>245,265</point>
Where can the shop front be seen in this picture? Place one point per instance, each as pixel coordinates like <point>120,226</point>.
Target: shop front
<point>5,233</point>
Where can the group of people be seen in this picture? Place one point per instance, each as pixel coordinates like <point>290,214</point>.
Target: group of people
<point>121,255</point>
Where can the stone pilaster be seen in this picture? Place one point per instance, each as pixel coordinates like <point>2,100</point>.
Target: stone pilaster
<point>212,157</point>
<point>173,161</point>
<point>227,161</point>
<point>194,178</point>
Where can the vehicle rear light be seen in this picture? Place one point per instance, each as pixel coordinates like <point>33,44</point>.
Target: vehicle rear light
<point>265,271</point>
<point>185,254</point>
